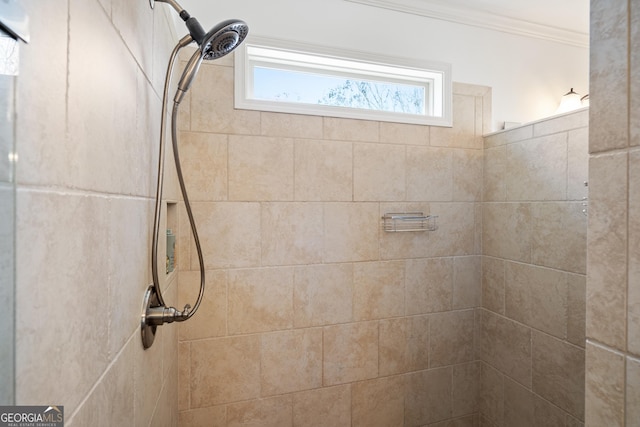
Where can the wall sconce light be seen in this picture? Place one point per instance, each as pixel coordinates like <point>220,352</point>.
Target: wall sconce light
<point>585,100</point>
<point>570,101</point>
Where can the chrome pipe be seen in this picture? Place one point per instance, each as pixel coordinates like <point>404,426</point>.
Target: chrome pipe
<point>173,4</point>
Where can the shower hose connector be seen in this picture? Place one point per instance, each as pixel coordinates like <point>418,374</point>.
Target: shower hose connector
<point>155,314</point>
<point>161,315</point>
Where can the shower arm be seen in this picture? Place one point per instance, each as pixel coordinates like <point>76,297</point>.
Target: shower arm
<point>172,3</point>
<point>195,29</point>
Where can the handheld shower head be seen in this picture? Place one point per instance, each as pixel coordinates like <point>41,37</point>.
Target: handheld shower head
<point>223,38</point>
<point>218,42</point>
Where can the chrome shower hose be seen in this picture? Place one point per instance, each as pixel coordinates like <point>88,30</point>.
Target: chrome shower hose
<point>155,310</point>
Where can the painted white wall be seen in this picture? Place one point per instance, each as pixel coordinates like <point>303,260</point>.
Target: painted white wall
<point>528,76</point>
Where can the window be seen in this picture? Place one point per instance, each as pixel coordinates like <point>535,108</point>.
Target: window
<point>293,78</point>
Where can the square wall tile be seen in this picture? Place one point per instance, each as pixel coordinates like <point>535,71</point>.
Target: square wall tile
<point>562,123</point>
<point>42,162</point>
<point>576,309</point>
<point>329,406</point>
<point>463,133</point>
<point>451,338</point>
<point>291,361</point>
<point>493,284</point>
<point>405,134</point>
<point>537,169</point>
<point>494,172</point>
<point>466,389</point>
<point>537,297</point>
<point>491,398</point>
<point>558,373</point>
<point>578,163</point>
<point>290,125</point>
<point>129,273</point>
<point>428,397</point>
<point>350,352</point>
<point>132,19</point>
<point>456,233</point>
<point>260,168</point>
<point>506,345</point>
<point>467,175</point>
<point>323,170</point>
<point>212,416</point>
<point>604,387</point>
<point>608,75</point>
<point>212,104</point>
<point>211,318</point>
<point>204,164</point>
<point>55,232</point>
<point>378,290</point>
<point>229,234</point>
<point>101,132</point>
<point>260,300</point>
<point>507,231</point>
<point>559,236</point>
<point>113,397</point>
<point>379,172</point>
<point>518,405</point>
<point>467,286</point>
<point>338,129</point>
<point>607,250</point>
<point>429,285</point>
<point>502,138</point>
<point>429,174</point>
<point>224,370</point>
<point>163,42</point>
<point>292,233</point>
<point>404,345</point>
<point>379,402</point>
<point>273,412</point>
<point>323,295</point>
<point>351,232</point>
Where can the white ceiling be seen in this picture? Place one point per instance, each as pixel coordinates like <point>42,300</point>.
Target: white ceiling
<point>565,21</point>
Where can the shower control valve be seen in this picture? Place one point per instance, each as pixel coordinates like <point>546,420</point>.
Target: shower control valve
<point>154,314</point>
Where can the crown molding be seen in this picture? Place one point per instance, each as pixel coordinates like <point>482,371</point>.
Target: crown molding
<point>482,19</point>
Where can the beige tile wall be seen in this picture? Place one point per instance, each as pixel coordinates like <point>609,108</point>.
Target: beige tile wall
<point>87,130</point>
<point>613,280</point>
<point>314,316</point>
<point>534,238</point>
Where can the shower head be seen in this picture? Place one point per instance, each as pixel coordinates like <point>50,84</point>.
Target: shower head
<point>223,38</point>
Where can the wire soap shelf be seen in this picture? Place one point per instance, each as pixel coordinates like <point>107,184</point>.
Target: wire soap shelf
<point>409,221</point>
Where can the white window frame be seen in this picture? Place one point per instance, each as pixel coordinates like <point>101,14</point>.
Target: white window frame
<point>259,51</point>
